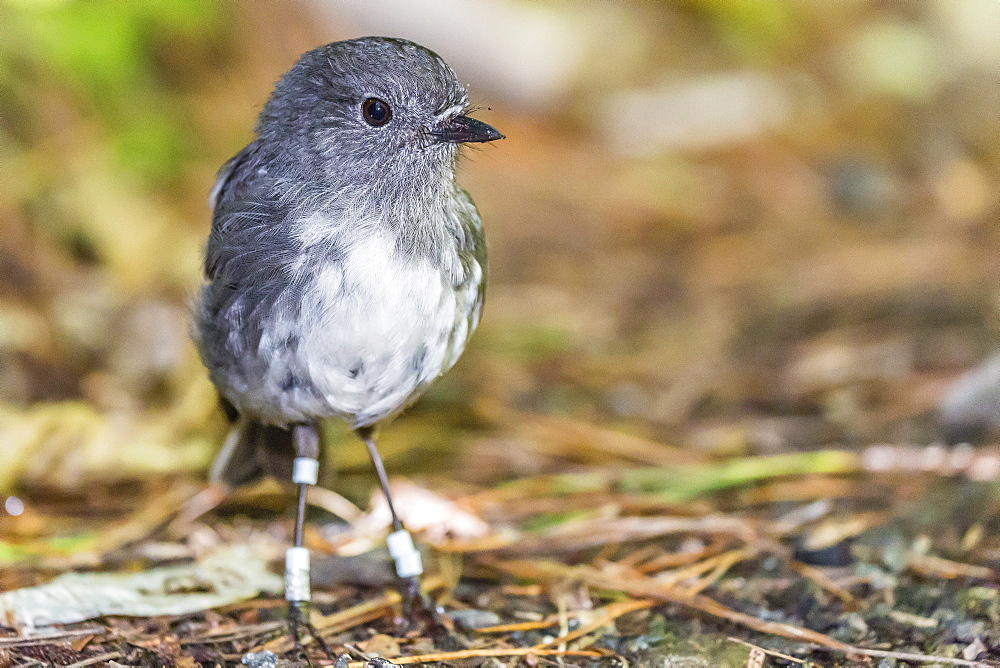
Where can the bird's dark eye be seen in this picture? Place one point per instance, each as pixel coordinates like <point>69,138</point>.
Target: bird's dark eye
<point>376,112</point>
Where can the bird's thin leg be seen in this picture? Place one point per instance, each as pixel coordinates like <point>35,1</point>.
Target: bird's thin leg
<point>409,566</point>
<point>305,472</point>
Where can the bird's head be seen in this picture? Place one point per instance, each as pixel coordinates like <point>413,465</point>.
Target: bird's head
<point>387,109</point>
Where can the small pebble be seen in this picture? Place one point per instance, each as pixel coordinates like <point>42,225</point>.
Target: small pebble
<point>265,659</point>
<point>471,618</point>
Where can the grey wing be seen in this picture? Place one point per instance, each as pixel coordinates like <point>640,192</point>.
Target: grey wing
<point>470,286</point>
<point>474,255</point>
<point>246,263</point>
<point>225,174</point>
<point>248,218</point>
<point>243,266</point>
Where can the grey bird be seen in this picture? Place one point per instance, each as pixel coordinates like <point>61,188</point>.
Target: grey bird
<point>345,269</point>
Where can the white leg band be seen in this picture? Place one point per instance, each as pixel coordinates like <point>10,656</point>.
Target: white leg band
<point>305,471</point>
<point>297,574</point>
<point>406,556</point>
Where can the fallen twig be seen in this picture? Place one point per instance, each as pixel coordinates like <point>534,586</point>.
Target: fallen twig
<point>483,653</point>
<point>607,615</point>
<point>823,582</point>
<point>926,564</point>
<point>30,641</point>
<point>94,660</point>
<point>912,656</point>
<point>770,652</point>
<point>720,564</point>
<point>241,632</point>
<point>599,531</point>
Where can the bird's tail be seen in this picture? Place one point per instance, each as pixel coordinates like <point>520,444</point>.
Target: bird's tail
<point>251,451</point>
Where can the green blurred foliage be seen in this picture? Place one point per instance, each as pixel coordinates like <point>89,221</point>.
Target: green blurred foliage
<point>756,29</point>
<point>106,54</point>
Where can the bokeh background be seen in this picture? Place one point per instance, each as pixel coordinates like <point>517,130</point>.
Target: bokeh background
<point>728,227</point>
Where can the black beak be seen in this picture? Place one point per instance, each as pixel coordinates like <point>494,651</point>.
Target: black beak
<point>464,129</point>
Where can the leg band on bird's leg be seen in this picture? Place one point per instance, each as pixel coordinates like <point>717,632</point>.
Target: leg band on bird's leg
<point>297,558</point>
<point>399,542</point>
<point>305,472</point>
<point>297,574</point>
<point>405,554</point>
<point>409,566</point>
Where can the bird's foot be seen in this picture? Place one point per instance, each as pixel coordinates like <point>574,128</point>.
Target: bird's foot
<point>413,600</point>
<point>298,619</point>
<point>420,613</point>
